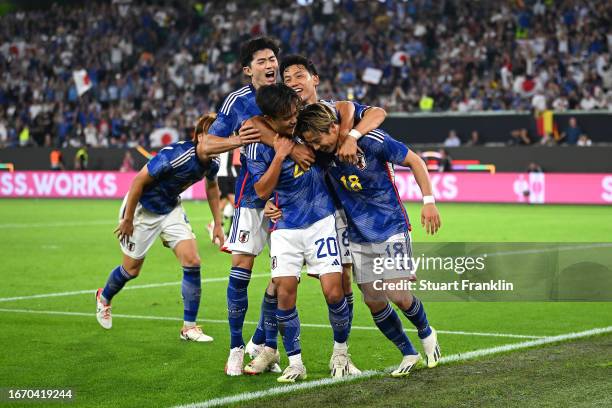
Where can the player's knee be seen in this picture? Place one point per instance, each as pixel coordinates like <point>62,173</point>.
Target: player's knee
<point>334,295</point>
<point>403,299</point>
<point>191,260</point>
<point>243,261</point>
<point>375,306</point>
<point>133,270</point>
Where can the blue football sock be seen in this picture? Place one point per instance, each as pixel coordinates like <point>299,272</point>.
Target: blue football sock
<point>237,303</point>
<point>116,281</point>
<point>416,314</point>
<point>259,336</point>
<point>289,327</point>
<point>349,301</point>
<point>390,324</point>
<point>270,305</point>
<point>191,289</point>
<point>339,320</point>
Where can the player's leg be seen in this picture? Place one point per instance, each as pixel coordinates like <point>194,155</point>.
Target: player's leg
<point>266,331</point>
<point>383,314</point>
<point>413,309</point>
<point>128,270</point>
<point>147,227</point>
<point>176,234</point>
<point>186,252</point>
<point>289,327</point>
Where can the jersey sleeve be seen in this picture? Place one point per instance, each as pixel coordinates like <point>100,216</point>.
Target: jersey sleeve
<point>225,124</point>
<point>360,110</point>
<point>159,165</point>
<point>259,157</point>
<point>394,151</point>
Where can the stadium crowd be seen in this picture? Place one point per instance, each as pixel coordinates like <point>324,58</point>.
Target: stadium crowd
<point>163,64</point>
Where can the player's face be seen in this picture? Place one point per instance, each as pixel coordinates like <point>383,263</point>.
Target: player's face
<point>286,125</point>
<point>302,82</point>
<point>325,142</point>
<point>263,68</point>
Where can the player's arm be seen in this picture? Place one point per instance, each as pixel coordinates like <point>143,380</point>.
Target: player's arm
<point>430,217</point>
<point>126,225</point>
<point>213,195</point>
<point>372,118</point>
<point>301,154</point>
<point>266,184</point>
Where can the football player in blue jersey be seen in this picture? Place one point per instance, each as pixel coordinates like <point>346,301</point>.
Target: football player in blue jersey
<point>152,208</point>
<point>299,73</point>
<point>378,226</point>
<point>306,234</point>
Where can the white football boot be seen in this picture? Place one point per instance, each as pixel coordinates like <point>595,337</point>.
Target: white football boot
<point>266,360</point>
<point>233,366</point>
<point>406,365</point>
<point>293,373</point>
<point>339,364</point>
<point>253,351</point>
<point>103,312</point>
<point>432,349</point>
<point>194,333</point>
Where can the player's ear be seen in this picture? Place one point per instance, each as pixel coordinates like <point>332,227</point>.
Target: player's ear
<point>247,71</point>
<point>315,80</point>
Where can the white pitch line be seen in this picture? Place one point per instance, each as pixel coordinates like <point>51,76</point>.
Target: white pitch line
<point>313,325</point>
<point>248,396</point>
<point>60,224</point>
<point>132,287</point>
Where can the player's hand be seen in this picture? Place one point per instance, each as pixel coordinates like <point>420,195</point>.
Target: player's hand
<point>124,230</point>
<point>303,156</point>
<point>218,235</point>
<point>430,218</point>
<point>272,211</point>
<point>347,152</point>
<point>283,146</point>
<point>248,134</point>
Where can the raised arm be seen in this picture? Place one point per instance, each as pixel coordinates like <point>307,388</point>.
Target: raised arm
<point>372,119</point>
<point>430,217</point>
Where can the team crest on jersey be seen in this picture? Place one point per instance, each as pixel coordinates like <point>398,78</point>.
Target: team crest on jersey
<point>243,236</point>
<point>361,161</point>
<point>274,262</point>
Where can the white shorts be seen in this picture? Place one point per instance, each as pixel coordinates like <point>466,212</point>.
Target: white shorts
<point>368,259</point>
<point>171,228</point>
<point>343,238</point>
<point>249,232</point>
<point>316,246</point>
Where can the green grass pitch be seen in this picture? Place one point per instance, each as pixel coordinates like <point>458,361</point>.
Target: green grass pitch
<point>58,246</point>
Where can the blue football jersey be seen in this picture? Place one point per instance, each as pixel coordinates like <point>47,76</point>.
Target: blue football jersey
<point>239,106</point>
<point>174,168</point>
<point>367,190</point>
<point>303,196</point>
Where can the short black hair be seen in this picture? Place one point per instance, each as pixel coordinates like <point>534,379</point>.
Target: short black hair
<point>249,48</point>
<point>296,59</point>
<point>277,100</point>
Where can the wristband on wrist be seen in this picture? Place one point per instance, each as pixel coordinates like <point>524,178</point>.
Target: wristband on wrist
<point>355,133</point>
<point>429,199</point>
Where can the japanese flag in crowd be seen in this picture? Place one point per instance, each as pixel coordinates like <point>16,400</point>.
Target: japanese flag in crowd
<point>82,81</point>
<point>164,136</point>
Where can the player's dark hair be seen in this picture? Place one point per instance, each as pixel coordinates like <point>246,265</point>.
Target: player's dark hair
<point>277,100</point>
<point>202,125</point>
<point>249,48</point>
<point>296,59</point>
<point>316,118</point>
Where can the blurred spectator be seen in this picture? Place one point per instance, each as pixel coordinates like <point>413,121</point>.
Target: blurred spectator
<point>534,168</point>
<point>520,137</point>
<point>572,133</point>
<point>56,159</point>
<point>452,140</point>
<point>475,139</point>
<point>127,164</point>
<point>584,141</point>
<point>81,159</point>
<point>445,163</point>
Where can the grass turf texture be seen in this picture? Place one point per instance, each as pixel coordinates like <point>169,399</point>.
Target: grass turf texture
<point>57,246</point>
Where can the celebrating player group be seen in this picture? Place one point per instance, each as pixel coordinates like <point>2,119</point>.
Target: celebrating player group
<point>316,183</point>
